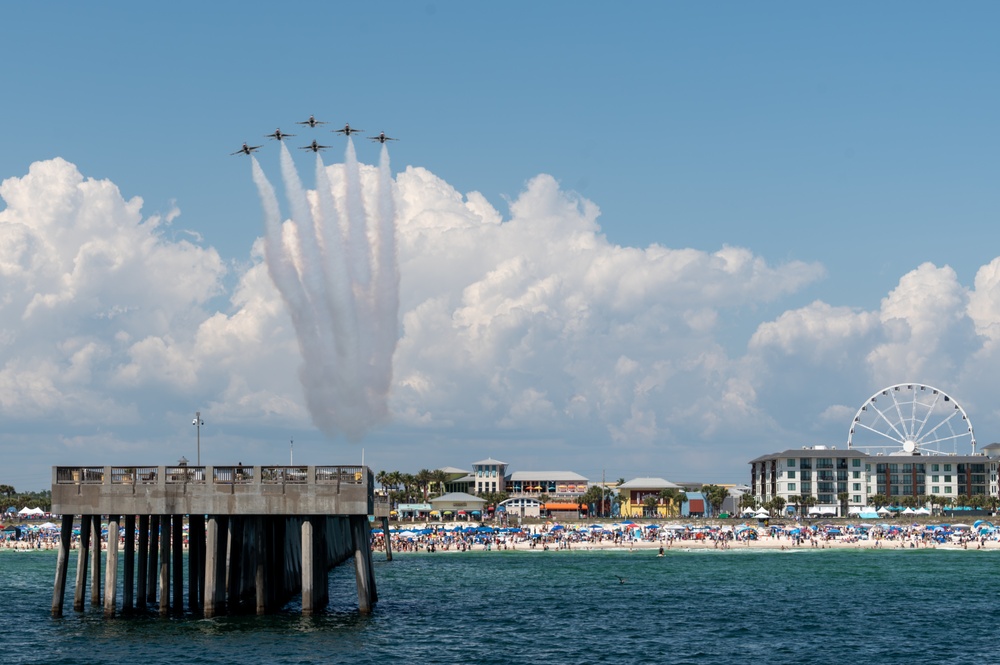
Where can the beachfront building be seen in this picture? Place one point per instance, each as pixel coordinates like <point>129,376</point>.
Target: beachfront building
<point>820,474</point>
<point>559,486</point>
<point>521,506</point>
<point>458,480</point>
<point>819,477</point>
<point>559,493</point>
<point>457,506</point>
<point>635,492</point>
<point>411,511</point>
<point>490,476</point>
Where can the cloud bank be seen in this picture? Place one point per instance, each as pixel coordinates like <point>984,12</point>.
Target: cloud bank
<point>523,334</point>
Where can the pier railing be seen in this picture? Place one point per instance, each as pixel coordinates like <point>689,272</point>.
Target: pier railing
<point>321,490</point>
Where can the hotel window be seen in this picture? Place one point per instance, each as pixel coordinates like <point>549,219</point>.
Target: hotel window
<point>857,475</point>
<point>856,487</point>
<point>947,489</point>
<point>856,498</point>
<point>791,487</point>
<point>934,467</point>
<point>947,467</point>
<point>947,479</point>
<point>791,461</point>
<point>934,479</point>
<point>935,489</point>
<point>791,475</point>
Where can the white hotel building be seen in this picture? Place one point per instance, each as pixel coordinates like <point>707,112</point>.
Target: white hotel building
<point>824,473</point>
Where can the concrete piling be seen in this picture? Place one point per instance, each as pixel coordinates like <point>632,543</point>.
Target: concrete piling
<point>82,560</point>
<point>62,564</point>
<point>111,574</point>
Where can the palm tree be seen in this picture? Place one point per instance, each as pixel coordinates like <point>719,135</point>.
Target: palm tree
<point>842,497</point>
<point>715,495</point>
<point>681,498</point>
<point>649,505</point>
<point>624,501</point>
<point>593,495</point>
<point>806,502</point>
<point>423,482</point>
<point>748,501</point>
<point>439,478</point>
<point>666,499</point>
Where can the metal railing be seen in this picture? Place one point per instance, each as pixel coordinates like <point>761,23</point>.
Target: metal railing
<point>220,475</point>
<point>284,475</point>
<point>232,475</point>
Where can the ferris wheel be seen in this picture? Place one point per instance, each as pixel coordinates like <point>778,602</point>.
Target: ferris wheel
<point>911,419</point>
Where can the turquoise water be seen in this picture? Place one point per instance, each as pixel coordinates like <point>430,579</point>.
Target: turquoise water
<point>704,607</point>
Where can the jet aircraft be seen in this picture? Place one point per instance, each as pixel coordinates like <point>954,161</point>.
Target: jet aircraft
<point>246,149</point>
<point>315,147</point>
<point>347,130</point>
<point>382,138</point>
<point>312,122</point>
<point>278,134</point>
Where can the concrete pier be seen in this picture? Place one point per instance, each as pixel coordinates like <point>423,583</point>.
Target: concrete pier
<point>257,536</point>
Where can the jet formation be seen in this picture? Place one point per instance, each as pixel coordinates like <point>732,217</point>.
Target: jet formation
<point>315,146</point>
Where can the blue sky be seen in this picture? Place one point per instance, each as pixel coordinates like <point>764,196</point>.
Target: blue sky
<point>842,146</point>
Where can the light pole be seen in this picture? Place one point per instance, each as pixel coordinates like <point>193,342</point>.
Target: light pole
<point>198,422</point>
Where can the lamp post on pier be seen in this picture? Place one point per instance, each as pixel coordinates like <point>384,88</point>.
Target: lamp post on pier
<point>198,422</point>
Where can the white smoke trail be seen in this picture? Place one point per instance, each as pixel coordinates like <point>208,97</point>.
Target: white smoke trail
<point>346,321</point>
<point>386,280</point>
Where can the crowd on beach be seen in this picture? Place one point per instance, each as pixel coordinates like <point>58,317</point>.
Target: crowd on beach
<point>630,536</point>
<point>552,536</point>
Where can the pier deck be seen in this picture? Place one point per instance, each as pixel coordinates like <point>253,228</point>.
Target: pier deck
<point>257,535</point>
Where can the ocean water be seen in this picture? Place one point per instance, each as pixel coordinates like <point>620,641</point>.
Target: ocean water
<point>698,607</point>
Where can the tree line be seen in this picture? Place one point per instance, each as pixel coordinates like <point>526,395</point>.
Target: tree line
<point>11,498</point>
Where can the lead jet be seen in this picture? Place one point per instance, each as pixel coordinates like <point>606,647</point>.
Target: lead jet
<point>246,149</point>
<point>382,138</point>
<point>312,122</point>
<point>315,147</point>
<point>278,134</point>
<point>347,130</point>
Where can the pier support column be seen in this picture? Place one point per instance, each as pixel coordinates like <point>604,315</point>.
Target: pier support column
<point>260,575</point>
<point>236,560</point>
<point>362,563</point>
<point>141,572</point>
<point>385,537</point>
<point>196,560</point>
<point>111,575</point>
<point>128,584</point>
<point>211,566</point>
<point>95,563</point>
<point>153,567</point>
<point>62,564</point>
<point>215,565</point>
<point>82,561</point>
<point>308,564</point>
<point>164,564</point>
<point>178,562</point>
